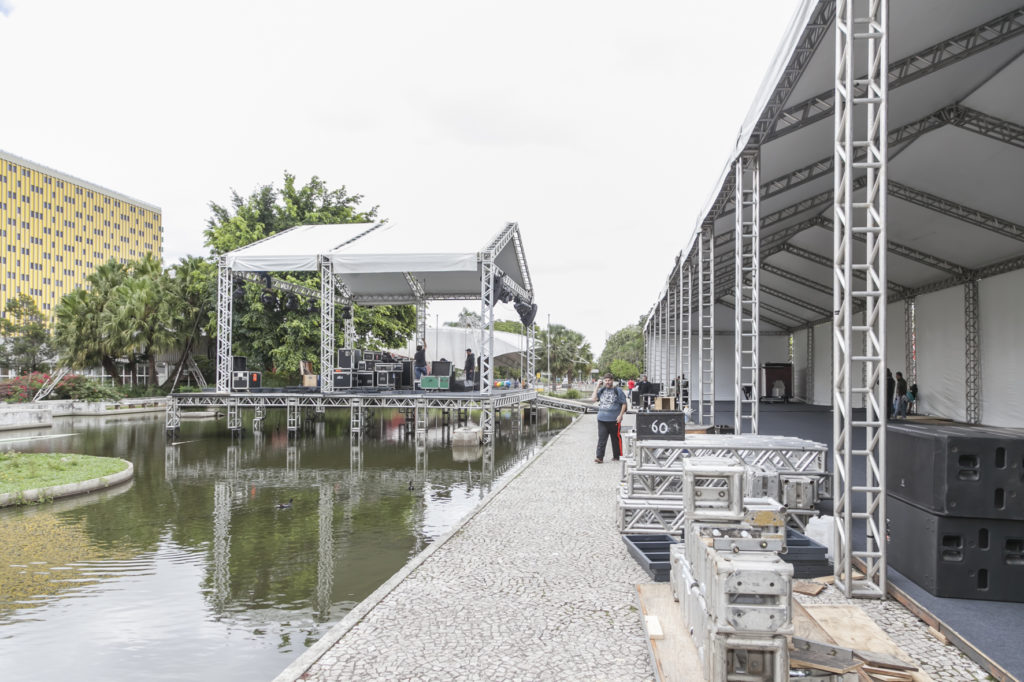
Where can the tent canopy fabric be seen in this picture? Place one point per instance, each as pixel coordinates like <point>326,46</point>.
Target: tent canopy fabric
<point>294,250</point>
<point>956,159</point>
<point>365,260</point>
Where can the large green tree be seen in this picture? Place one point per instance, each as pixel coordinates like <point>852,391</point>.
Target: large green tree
<point>192,290</point>
<point>625,345</point>
<point>273,331</point>
<point>24,338</point>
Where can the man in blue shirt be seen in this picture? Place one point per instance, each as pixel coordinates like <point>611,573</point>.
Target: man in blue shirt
<point>611,406</point>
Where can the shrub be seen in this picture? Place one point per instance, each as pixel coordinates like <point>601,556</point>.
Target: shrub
<point>23,388</point>
<point>572,394</point>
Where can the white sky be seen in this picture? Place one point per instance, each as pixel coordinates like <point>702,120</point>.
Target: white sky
<point>600,127</point>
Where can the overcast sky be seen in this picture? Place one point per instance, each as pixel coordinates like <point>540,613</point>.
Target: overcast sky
<point>600,127</point>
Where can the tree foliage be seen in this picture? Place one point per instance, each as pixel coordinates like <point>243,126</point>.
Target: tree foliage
<point>627,345</point>
<point>24,337</point>
<point>570,356</point>
<point>271,334</point>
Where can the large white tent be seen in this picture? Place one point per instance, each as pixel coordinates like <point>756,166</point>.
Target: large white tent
<point>955,217</point>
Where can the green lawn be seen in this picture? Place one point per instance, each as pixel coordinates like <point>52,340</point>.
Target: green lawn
<point>28,470</point>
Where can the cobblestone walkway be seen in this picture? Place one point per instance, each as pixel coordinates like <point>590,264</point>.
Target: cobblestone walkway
<point>536,586</point>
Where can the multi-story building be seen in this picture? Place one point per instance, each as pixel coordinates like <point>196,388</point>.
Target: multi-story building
<point>55,229</point>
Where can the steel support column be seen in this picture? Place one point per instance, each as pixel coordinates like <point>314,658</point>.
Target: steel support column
<point>531,357</point>
<point>972,341</point>
<point>810,365</point>
<point>224,308</point>
<point>910,337</point>
<point>487,275</point>
<point>862,35</point>
<point>685,283</point>
<point>706,358</point>
<point>746,275</point>
<point>327,325</point>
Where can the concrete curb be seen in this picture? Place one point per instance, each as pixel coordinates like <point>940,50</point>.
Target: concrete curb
<point>68,489</point>
<point>332,636</point>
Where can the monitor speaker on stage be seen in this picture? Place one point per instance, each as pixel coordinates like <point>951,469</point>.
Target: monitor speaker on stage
<point>237,363</point>
<point>407,374</point>
<point>441,368</point>
<point>342,378</point>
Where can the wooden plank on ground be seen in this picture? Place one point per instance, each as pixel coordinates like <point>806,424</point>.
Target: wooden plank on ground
<point>811,587</point>
<point>675,656</point>
<point>849,626</point>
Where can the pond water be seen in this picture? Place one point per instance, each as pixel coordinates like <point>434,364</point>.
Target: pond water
<point>224,560</point>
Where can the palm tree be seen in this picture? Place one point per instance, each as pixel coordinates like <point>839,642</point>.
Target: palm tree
<point>139,314</point>
<point>77,330</point>
<point>192,291</point>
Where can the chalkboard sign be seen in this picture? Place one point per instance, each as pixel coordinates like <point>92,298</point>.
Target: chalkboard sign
<point>660,426</point>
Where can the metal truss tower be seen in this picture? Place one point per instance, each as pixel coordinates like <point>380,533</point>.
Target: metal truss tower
<point>972,325</point>
<point>748,265</point>
<point>327,325</point>
<point>863,36</point>
<point>685,283</point>
<point>706,359</point>
<point>224,305</point>
<point>487,274</point>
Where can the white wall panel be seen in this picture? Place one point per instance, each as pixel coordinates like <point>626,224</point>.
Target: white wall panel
<point>800,364</point>
<point>725,366</point>
<point>895,337</point>
<point>941,353</point>
<point>1002,360</point>
<point>823,364</point>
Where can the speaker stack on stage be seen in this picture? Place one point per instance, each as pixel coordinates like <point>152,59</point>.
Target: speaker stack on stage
<point>955,509</point>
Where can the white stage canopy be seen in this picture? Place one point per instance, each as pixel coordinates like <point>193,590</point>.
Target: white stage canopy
<point>450,343</point>
<point>295,249</point>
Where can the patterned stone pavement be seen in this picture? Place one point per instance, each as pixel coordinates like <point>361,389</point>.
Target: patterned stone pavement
<point>536,586</point>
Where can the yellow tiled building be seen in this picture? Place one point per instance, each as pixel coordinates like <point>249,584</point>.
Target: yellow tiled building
<point>55,229</point>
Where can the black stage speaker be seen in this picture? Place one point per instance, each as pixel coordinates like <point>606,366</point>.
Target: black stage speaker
<point>387,378</point>
<point>348,358</point>
<point>441,368</point>
<point>240,380</point>
<point>255,379</point>
<point>367,365</point>
<point>660,426</point>
<point>364,379</point>
<point>972,471</point>
<point>237,363</point>
<point>407,374</point>
<point>342,378</point>
<point>963,558</point>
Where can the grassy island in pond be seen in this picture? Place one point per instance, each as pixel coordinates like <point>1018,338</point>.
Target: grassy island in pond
<point>21,471</point>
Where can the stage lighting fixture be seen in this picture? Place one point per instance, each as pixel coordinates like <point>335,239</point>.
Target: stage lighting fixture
<point>291,303</point>
<point>268,300</point>
<point>346,312</point>
<point>267,281</point>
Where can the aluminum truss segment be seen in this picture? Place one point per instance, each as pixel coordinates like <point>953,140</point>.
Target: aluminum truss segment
<point>685,309</point>
<point>973,346</point>
<point>327,286</point>
<point>747,279</point>
<point>224,307</point>
<point>51,383</point>
<point>963,213</point>
<point>706,355</point>
<point>981,123</point>
<point>487,302</point>
<point>861,32</point>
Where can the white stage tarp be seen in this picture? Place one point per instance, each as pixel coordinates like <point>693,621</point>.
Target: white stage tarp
<point>1002,361</point>
<point>823,364</point>
<point>941,353</point>
<point>450,343</point>
<point>295,249</point>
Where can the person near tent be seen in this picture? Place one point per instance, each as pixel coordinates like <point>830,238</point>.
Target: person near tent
<point>900,406</point>
<point>419,361</point>
<point>470,365</point>
<point>611,405</point>
<point>646,391</point>
<point>890,392</point>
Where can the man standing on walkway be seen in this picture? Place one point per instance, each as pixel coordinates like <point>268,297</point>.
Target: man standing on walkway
<point>470,367</point>
<point>611,406</point>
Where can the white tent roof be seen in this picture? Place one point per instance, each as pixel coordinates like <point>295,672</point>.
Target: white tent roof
<point>956,158</point>
<point>295,249</point>
<point>366,261</point>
